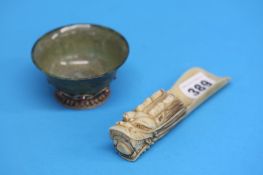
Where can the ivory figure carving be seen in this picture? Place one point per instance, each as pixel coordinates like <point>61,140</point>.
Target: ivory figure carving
<point>159,113</point>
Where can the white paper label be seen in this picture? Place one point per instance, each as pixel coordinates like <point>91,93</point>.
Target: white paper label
<point>196,85</point>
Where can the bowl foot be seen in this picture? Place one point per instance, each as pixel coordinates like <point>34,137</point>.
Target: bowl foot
<point>84,101</point>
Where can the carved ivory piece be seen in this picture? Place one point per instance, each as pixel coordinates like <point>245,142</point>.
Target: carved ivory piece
<point>159,113</point>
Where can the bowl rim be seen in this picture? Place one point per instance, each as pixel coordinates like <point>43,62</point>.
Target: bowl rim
<point>79,24</point>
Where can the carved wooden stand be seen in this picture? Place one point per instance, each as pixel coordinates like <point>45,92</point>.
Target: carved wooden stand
<point>84,101</point>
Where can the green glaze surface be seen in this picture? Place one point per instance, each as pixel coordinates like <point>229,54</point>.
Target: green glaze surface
<point>81,58</point>
<point>80,51</point>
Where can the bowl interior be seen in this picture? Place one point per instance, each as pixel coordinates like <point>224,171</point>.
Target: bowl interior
<point>80,51</point>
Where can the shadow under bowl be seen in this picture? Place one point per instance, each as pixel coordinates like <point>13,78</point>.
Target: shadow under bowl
<point>80,60</point>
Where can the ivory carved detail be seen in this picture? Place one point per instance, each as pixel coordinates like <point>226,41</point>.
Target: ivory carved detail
<point>159,113</point>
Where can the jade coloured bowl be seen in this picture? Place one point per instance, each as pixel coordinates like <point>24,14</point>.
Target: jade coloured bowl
<point>80,61</point>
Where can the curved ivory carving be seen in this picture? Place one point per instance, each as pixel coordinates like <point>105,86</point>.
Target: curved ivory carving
<point>153,118</point>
